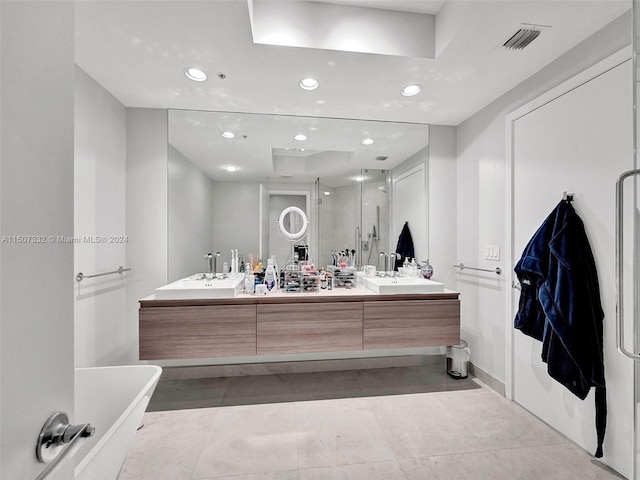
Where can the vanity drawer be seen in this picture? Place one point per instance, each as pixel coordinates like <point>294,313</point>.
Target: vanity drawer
<point>309,327</point>
<point>430,323</point>
<point>197,332</point>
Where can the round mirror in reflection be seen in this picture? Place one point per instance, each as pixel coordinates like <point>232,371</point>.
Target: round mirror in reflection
<point>293,224</point>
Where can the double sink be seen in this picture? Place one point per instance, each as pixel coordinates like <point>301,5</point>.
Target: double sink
<point>198,286</point>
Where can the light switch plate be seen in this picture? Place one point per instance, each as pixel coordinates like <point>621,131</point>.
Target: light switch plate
<point>492,252</point>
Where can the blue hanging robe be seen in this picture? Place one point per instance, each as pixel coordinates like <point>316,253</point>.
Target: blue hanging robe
<point>560,306</point>
<point>405,245</point>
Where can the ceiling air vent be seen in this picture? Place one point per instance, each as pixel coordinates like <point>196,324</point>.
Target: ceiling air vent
<point>381,159</point>
<point>522,38</point>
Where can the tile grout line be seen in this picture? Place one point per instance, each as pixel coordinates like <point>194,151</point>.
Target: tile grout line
<point>204,444</point>
<point>395,455</point>
<point>326,467</point>
<point>493,454</point>
<point>295,420</point>
<point>526,413</point>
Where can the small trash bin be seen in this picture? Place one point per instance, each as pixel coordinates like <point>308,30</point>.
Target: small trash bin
<point>458,360</point>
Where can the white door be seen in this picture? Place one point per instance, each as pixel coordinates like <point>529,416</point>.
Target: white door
<point>36,208</point>
<point>577,141</point>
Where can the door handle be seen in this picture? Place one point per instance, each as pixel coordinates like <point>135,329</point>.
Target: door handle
<point>56,439</point>
<point>620,263</point>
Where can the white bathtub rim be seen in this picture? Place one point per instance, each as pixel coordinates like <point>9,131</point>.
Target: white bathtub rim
<point>82,464</point>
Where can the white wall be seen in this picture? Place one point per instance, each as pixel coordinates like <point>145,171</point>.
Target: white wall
<point>481,195</point>
<point>146,213</point>
<point>99,211</point>
<point>36,199</point>
<point>190,217</point>
<point>442,203</point>
<point>236,219</point>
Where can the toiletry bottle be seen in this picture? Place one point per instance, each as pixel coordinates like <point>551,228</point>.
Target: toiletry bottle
<point>277,272</point>
<point>249,279</point>
<point>270,276</point>
<point>323,280</point>
<point>414,268</point>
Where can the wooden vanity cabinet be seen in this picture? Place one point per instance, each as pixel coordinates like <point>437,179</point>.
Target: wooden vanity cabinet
<point>289,324</point>
<point>197,331</point>
<point>309,327</point>
<point>411,323</point>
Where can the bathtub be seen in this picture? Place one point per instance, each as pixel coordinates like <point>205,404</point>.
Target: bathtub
<point>113,400</point>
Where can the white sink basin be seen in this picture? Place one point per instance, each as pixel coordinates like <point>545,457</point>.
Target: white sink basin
<point>197,287</point>
<point>386,285</point>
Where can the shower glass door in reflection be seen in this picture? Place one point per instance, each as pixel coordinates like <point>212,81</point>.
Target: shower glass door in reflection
<point>353,215</point>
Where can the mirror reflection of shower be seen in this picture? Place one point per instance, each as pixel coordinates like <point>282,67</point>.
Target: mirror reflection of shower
<point>358,233</point>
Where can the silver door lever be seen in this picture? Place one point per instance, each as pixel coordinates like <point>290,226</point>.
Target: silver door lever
<point>56,438</point>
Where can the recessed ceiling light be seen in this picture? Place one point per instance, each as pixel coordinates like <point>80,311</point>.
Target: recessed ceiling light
<point>195,74</point>
<point>411,90</point>
<point>228,134</point>
<point>308,83</point>
<point>367,141</point>
<point>230,168</point>
<point>300,137</point>
<point>359,179</point>
<point>327,193</point>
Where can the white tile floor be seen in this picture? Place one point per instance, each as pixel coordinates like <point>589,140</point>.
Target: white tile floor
<point>463,434</point>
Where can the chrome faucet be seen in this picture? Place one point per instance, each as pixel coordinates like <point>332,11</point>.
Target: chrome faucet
<point>383,255</point>
<point>213,262</point>
<point>392,263</point>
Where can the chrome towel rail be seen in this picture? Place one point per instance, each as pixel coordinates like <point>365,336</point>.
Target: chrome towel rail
<point>462,266</point>
<point>81,276</point>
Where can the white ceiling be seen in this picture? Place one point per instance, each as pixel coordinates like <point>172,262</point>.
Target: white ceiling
<point>138,51</point>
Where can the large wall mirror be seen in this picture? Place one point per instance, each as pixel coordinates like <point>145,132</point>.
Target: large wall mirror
<point>232,174</point>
